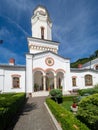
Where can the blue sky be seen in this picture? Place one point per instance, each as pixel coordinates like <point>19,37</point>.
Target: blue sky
<point>75,26</point>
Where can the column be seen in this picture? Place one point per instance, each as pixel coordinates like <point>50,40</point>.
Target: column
<point>44,82</point>
<point>55,82</point>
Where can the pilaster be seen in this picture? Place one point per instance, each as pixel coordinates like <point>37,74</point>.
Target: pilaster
<point>29,74</point>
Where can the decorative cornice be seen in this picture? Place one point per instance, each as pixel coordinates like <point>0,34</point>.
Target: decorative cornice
<point>34,39</point>
<point>13,67</point>
<point>42,48</point>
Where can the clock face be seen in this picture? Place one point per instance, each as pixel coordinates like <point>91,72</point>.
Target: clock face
<point>49,61</point>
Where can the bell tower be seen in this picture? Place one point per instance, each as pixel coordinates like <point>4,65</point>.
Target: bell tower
<point>41,24</point>
<point>41,27</point>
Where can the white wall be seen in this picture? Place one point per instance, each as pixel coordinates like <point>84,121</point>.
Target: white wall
<point>80,79</point>
<point>7,81</point>
<point>36,30</point>
<point>49,32</point>
<point>1,80</point>
<point>39,61</point>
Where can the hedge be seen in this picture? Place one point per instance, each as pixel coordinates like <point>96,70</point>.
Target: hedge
<point>67,120</point>
<point>94,90</point>
<point>88,111</point>
<point>10,104</point>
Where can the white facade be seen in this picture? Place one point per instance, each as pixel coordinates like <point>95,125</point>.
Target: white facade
<point>6,75</point>
<point>80,77</point>
<point>45,69</point>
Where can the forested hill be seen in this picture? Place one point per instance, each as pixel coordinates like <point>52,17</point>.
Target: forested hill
<point>84,60</point>
<point>79,61</point>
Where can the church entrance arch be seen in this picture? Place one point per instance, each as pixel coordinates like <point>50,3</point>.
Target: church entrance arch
<point>60,80</point>
<point>38,81</point>
<point>49,80</point>
<point>45,80</point>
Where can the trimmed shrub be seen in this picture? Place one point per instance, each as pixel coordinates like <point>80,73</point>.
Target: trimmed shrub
<point>66,119</point>
<point>88,111</point>
<point>56,95</point>
<point>10,104</point>
<point>82,92</point>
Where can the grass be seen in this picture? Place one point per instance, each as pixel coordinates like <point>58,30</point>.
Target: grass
<point>68,101</point>
<point>67,104</point>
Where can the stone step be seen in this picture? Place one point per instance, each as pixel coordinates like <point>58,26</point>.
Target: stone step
<point>40,93</point>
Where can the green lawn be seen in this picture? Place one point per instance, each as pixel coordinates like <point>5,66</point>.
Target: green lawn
<point>68,101</point>
<point>67,104</point>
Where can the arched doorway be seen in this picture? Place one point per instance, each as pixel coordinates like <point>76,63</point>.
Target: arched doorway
<point>49,80</point>
<point>38,81</point>
<point>60,78</point>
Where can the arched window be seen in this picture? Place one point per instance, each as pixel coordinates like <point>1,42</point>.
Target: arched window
<point>88,80</point>
<point>42,32</point>
<point>16,81</point>
<point>73,81</point>
<point>96,67</point>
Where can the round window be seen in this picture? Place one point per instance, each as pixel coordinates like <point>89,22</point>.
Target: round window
<point>49,61</point>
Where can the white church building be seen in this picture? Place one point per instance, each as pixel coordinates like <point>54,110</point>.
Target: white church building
<point>45,69</point>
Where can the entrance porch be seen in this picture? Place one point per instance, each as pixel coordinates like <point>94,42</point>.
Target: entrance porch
<point>45,80</point>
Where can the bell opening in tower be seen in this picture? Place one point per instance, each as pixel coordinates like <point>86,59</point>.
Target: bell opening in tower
<point>42,32</point>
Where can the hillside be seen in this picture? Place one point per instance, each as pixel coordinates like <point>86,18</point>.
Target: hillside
<point>79,61</point>
<point>84,60</point>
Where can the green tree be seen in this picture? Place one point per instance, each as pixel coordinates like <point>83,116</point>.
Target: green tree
<point>96,53</point>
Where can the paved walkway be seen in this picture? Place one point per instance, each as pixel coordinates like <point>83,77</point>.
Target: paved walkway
<point>35,116</point>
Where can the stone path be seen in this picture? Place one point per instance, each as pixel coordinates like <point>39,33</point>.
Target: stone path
<point>35,116</point>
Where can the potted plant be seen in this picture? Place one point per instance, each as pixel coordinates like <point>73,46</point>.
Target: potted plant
<point>36,87</point>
